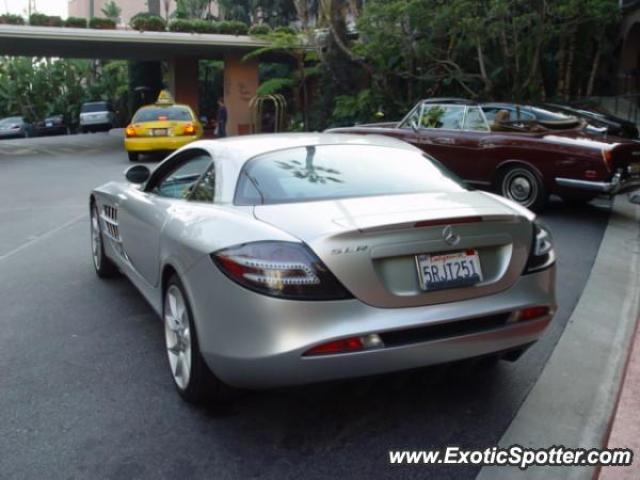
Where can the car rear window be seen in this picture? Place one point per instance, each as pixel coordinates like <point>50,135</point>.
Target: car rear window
<point>95,107</point>
<point>157,113</point>
<point>329,172</point>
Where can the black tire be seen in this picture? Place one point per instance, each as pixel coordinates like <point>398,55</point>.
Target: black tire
<point>577,199</point>
<point>133,156</point>
<point>103,265</point>
<point>522,185</point>
<point>202,385</point>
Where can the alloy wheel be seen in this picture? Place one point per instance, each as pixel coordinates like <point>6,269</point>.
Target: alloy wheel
<point>178,336</point>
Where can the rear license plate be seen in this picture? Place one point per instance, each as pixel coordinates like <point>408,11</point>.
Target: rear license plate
<point>49,124</point>
<point>449,270</point>
<point>634,168</point>
<point>160,132</point>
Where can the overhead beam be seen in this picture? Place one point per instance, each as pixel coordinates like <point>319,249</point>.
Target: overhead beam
<point>23,40</point>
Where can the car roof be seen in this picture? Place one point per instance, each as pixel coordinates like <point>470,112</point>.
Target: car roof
<point>169,105</point>
<point>232,153</point>
<point>244,147</point>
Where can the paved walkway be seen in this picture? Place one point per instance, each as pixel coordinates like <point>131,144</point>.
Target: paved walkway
<point>625,431</point>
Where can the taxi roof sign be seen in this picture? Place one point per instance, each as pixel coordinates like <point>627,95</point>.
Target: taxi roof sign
<point>165,98</point>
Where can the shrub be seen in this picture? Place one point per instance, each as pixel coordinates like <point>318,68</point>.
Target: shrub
<point>75,22</point>
<point>148,23</point>
<point>206,26</point>
<point>262,29</point>
<point>9,19</point>
<point>102,23</point>
<point>238,28</point>
<point>42,20</point>
<point>194,26</point>
<point>181,26</point>
<point>287,30</point>
<point>232,27</point>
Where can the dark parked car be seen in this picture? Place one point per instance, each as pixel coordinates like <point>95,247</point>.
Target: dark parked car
<point>15,127</point>
<point>52,125</point>
<point>561,116</point>
<point>525,160</point>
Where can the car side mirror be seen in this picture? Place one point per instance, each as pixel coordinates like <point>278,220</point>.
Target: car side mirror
<point>137,174</point>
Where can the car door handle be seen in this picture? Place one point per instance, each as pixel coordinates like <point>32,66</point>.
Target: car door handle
<point>445,140</point>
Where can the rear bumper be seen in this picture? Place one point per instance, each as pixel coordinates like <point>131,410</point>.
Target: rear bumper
<point>617,185</point>
<point>151,144</point>
<point>254,341</point>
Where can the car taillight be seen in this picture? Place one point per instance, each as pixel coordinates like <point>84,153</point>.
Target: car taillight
<point>607,156</point>
<point>346,345</point>
<point>280,269</point>
<point>542,253</point>
<point>532,313</point>
<point>190,129</point>
<point>130,131</point>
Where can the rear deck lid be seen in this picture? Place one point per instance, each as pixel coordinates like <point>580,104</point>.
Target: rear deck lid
<point>372,244</point>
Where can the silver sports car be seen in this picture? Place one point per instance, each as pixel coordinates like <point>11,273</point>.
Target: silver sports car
<point>289,259</point>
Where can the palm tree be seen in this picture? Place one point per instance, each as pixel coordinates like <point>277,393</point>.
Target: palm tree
<point>112,11</point>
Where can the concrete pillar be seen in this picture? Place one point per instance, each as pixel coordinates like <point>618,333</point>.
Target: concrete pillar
<point>240,85</point>
<point>183,81</point>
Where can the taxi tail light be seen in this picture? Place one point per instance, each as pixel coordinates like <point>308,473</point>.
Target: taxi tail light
<point>280,269</point>
<point>190,129</point>
<point>130,131</point>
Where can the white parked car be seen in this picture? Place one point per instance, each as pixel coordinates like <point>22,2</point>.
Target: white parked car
<point>96,116</point>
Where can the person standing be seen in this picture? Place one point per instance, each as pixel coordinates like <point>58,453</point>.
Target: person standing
<point>222,119</point>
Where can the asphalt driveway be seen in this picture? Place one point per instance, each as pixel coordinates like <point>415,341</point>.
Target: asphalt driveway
<point>85,391</point>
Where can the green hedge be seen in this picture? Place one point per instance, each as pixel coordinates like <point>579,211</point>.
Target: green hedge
<point>42,20</point>
<point>262,29</point>
<point>148,23</point>
<point>288,30</point>
<point>8,19</point>
<point>75,22</point>
<point>207,26</point>
<point>102,23</point>
<point>142,22</point>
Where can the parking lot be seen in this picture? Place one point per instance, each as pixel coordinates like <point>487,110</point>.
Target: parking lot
<point>86,392</point>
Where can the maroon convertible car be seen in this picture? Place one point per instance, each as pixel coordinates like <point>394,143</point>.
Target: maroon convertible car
<point>524,160</point>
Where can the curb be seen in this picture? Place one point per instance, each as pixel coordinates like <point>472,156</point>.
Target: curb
<point>573,401</point>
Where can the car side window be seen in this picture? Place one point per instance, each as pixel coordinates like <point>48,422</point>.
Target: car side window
<point>204,190</point>
<point>413,120</point>
<point>474,120</point>
<point>179,181</point>
<point>448,117</point>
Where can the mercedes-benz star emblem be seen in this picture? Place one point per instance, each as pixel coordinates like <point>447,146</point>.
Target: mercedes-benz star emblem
<point>449,236</point>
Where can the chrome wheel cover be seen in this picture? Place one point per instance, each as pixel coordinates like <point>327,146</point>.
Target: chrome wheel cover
<point>96,239</point>
<point>521,186</point>
<point>177,336</point>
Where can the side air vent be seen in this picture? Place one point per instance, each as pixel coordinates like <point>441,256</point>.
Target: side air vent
<point>110,218</point>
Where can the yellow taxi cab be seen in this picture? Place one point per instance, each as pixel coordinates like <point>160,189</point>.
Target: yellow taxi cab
<point>162,126</point>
